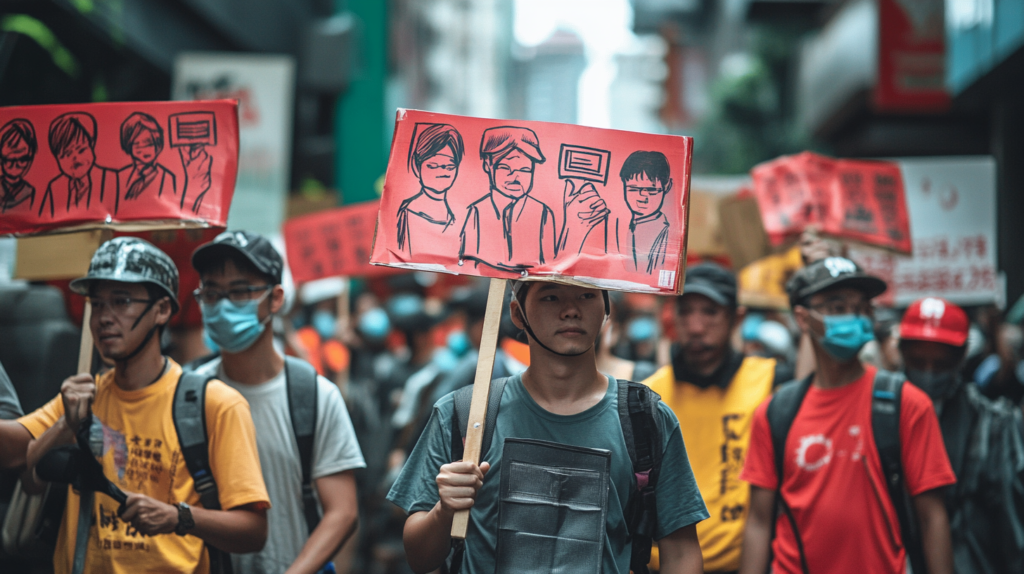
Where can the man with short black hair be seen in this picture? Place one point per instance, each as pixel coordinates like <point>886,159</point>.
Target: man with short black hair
<point>713,391</point>
<point>645,183</point>
<point>563,411</point>
<point>133,287</point>
<point>984,439</point>
<point>239,294</point>
<point>848,454</point>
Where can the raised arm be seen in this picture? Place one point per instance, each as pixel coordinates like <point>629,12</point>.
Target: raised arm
<point>427,535</point>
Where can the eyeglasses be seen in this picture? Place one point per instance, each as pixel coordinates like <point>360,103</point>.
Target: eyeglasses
<point>841,307</point>
<point>235,294</point>
<point>119,304</point>
<point>645,190</point>
<point>21,161</point>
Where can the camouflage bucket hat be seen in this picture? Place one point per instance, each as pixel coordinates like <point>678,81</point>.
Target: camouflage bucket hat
<point>131,260</point>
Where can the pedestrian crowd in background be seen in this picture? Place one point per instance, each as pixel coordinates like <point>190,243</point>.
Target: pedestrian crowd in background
<point>317,434</point>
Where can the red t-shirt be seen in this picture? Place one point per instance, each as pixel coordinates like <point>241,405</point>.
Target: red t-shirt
<point>833,479</point>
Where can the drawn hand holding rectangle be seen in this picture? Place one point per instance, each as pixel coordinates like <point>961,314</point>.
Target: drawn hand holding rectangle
<point>502,208</point>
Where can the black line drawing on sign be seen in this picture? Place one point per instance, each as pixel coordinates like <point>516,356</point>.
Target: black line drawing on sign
<point>435,154</point>
<point>585,212</point>
<point>507,229</point>
<point>18,148</point>
<point>646,181</point>
<point>142,139</point>
<point>190,133</point>
<point>72,140</point>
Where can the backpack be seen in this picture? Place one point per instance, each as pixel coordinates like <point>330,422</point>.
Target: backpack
<point>189,414</point>
<point>885,425</point>
<point>638,406</point>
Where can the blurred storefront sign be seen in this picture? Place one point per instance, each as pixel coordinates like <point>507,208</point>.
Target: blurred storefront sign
<point>952,204</point>
<point>264,86</point>
<point>982,35</point>
<point>911,57</point>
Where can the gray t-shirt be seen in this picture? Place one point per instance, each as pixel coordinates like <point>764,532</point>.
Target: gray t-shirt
<point>10,406</point>
<point>679,501</point>
<point>334,450</point>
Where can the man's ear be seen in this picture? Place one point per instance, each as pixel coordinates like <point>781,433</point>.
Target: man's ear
<point>739,315</point>
<point>668,186</point>
<point>802,318</point>
<point>487,165</point>
<point>163,311</point>
<point>515,312</point>
<point>276,298</point>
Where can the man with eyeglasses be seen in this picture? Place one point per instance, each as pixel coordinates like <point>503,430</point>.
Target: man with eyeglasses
<point>644,238</point>
<point>240,292</point>
<point>818,451</point>
<point>18,148</point>
<point>127,415</point>
<point>508,229</point>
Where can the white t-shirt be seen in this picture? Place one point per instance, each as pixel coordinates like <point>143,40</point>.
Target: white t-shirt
<point>334,450</point>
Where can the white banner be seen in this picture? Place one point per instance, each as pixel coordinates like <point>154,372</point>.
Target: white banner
<point>952,205</point>
<point>264,86</point>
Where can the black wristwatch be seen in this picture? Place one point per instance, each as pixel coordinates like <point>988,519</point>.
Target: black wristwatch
<point>185,522</point>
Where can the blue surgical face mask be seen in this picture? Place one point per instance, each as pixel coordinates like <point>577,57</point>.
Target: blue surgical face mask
<point>374,324</point>
<point>323,322</point>
<point>233,327</point>
<point>458,342</point>
<point>845,335</point>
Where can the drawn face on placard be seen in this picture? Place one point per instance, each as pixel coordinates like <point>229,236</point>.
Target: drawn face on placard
<point>512,175</point>
<point>646,182</point>
<point>438,172</point>
<point>77,158</point>
<point>17,149</point>
<point>142,137</point>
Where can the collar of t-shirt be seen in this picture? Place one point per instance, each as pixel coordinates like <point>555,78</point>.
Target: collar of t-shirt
<point>721,376</point>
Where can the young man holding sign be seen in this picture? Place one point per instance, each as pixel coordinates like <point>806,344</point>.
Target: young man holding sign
<point>558,490</point>
<point>128,416</point>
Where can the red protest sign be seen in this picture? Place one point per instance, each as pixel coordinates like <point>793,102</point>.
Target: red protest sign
<point>512,199</point>
<point>122,165</point>
<point>332,243</point>
<point>862,201</point>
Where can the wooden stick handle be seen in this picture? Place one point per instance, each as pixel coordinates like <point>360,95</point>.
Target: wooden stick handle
<point>85,348</point>
<point>481,390</point>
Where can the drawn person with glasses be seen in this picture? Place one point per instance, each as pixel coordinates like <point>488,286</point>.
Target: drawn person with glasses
<point>434,158</point>
<point>17,150</point>
<point>240,292</point>
<point>644,238</point>
<point>507,229</point>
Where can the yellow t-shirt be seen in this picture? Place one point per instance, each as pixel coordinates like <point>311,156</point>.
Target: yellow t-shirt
<point>715,423</point>
<point>141,454</point>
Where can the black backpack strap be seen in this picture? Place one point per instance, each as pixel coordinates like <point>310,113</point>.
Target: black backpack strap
<point>463,399</point>
<point>641,429</point>
<point>885,425</point>
<point>301,380</point>
<point>189,414</point>
<point>782,411</point>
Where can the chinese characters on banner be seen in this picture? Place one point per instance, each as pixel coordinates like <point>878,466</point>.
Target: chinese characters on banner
<point>519,199</point>
<point>125,165</point>
<point>332,243</point>
<point>860,201</point>
<point>952,204</point>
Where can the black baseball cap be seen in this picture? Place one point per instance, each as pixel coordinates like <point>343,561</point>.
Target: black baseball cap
<point>252,246</point>
<point>832,273</point>
<point>712,281</point>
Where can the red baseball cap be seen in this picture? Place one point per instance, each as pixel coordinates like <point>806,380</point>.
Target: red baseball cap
<point>936,320</point>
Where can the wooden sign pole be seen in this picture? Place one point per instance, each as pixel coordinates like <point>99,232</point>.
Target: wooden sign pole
<point>481,390</point>
<point>85,348</point>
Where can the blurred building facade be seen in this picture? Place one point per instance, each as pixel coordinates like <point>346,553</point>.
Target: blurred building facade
<point>544,79</point>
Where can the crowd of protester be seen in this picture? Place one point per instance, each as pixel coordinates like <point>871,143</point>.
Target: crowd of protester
<point>805,451</point>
